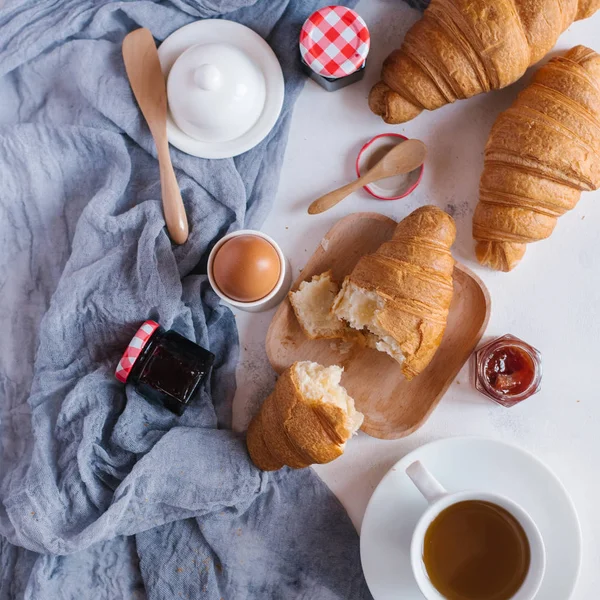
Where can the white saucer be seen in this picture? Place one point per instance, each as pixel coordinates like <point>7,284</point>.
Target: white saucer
<point>217,30</point>
<point>468,463</point>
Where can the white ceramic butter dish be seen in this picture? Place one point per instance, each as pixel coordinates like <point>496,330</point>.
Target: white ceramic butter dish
<point>225,88</point>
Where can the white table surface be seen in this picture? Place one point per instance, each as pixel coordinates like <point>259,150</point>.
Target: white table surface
<point>551,300</point>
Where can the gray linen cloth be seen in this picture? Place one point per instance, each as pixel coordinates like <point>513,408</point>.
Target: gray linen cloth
<point>102,494</point>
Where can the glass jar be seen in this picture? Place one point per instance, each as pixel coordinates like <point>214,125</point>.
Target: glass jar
<point>334,45</point>
<point>164,366</point>
<point>508,370</point>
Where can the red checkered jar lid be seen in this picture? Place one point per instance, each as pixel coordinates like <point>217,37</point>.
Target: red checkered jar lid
<point>334,41</point>
<point>136,345</point>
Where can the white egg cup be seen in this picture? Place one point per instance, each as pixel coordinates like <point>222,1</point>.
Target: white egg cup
<point>277,294</point>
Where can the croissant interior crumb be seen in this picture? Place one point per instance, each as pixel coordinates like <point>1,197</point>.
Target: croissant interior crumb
<point>360,309</point>
<point>322,384</point>
<point>312,304</point>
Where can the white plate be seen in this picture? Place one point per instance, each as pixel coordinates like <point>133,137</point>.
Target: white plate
<point>468,463</point>
<point>217,30</point>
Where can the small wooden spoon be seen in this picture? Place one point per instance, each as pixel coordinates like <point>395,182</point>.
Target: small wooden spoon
<point>148,85</point>
<point>403,158</point>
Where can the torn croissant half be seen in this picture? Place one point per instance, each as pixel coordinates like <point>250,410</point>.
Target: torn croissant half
<point>395,300</point>
<point>306,420</point>
<point>401,293</point>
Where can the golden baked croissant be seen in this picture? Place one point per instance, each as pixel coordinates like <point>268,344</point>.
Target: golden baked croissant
<point>400,295</point>
<point>461,48</point>
<point>307,419</point>
<point>541,153</point>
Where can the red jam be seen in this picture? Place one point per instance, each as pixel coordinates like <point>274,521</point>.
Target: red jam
<point>508,370</point>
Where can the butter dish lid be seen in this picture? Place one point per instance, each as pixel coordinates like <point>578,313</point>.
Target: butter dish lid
<point>216,92</point>
<point>334,41</point>
<point>134,349</point>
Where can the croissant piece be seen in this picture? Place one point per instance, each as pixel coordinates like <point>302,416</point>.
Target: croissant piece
<point>312,303</point>
<point>306,420</point>
<point>401,294</point>
<point>461,48</point>
<point>541,154</point>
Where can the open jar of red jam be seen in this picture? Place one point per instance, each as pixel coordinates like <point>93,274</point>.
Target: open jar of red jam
<point>164,366</point>
<point>508,370</point>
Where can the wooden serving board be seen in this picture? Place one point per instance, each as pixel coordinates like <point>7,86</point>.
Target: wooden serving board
<point>393,407</point>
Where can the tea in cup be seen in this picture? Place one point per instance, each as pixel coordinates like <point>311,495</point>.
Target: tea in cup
<point>474,545</point>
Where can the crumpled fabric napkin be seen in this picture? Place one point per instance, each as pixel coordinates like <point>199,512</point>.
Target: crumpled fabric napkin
<point>102,494</point>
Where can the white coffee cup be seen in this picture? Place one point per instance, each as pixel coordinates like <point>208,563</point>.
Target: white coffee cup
<point>439,499</point>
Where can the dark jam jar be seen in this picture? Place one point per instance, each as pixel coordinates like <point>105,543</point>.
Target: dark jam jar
<point>508,370</point>
<point>164,366</point>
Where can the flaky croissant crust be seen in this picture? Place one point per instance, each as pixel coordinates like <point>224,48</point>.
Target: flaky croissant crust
<point>291,430</point>
<point>460,48</point>
<point>541,154</point>
<point>413,273</point>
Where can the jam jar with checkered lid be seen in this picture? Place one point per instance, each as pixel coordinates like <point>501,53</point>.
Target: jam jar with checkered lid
<point>164,366</point>
<point>334,44</point>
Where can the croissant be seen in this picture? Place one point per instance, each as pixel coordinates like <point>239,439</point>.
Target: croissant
<point>461,48</point>
<point>541,153</point>
<point>307,419</point>
<point>401,294</point>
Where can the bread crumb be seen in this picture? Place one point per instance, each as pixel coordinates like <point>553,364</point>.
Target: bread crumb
<point>341,346</point>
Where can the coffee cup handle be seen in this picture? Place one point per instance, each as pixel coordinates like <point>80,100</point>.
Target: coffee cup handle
<point>426,483</point>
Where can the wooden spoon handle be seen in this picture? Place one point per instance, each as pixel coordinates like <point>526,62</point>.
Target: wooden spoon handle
<point>332,198</point>
<point>175,217</point>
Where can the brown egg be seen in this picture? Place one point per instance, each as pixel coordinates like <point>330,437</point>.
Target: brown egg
<point>246,268</point>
